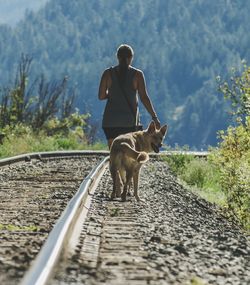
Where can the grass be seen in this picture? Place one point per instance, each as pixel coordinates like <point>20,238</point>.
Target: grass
<point>197,281</point>
<point>114,212</point>
<point>14,228</point>
<point>26,142</point>
<point>199,175</point>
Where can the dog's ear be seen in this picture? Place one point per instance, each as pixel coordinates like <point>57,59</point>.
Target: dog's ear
<point>164,129</point>
<point>151,128</point>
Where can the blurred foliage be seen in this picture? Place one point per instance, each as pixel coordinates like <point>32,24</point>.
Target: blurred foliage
<point>40,116</point>
<point>40,105</point>
<point>22,139</point>
<point>237,91</point>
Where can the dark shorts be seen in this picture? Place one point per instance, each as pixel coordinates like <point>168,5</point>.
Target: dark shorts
<point>112,133</point>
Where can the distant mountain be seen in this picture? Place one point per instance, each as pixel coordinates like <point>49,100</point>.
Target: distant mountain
<point>180,45</point>
<point>12,11</point>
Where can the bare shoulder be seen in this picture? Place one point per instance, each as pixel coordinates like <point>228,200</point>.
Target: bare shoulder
<point>106,79</point>
<point>139,75</point>
<point>106,73</point>
<point>138,78</point>
<point>138,72</point>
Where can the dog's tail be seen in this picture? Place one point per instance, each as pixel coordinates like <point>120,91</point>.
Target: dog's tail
<point>140,156</point>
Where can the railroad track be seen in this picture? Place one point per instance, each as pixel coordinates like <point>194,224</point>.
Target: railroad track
<point>34,191</point>
<point>172,237</point>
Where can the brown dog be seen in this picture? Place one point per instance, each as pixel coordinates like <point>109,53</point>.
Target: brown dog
<point>127,154</point>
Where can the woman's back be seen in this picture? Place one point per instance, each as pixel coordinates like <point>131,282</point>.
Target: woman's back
<point>122,102</point>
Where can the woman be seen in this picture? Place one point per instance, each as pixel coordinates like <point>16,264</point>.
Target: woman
<point>120,85</point>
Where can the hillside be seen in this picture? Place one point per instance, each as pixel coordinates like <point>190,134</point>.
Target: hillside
<point>181,46</point>
<point>13,11</point>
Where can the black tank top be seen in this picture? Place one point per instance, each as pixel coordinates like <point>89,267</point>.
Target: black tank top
<point>117,111</point>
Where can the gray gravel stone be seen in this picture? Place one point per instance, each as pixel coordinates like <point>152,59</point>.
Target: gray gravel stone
<point>33,195</point>
<point>172,237</point>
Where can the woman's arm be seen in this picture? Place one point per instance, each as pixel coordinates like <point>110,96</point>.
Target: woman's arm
<point>104,85</point>
<point>142,90</point>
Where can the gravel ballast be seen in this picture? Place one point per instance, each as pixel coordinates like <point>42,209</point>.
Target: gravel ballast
<point>33,195</point>
<point>171,237</point>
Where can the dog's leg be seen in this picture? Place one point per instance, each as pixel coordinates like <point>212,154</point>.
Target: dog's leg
<point>136,183</point>
<point>126,185</point>
<point>125,188</point>
<point>119,184</point>
<point>130,186</point>
<point>124,193</point>
<point>113,175</point>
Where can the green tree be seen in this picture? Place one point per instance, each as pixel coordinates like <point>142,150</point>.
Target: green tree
<point>237,91</point>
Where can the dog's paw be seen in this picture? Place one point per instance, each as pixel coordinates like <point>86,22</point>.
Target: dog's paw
<point>129,193</point>
<point>124,197</point>
<point>141,201</point>
<point>137,198</point>
<point>118,193</point>
<point>112,196</point>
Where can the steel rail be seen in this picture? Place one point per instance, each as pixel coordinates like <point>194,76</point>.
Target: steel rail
<point>56,154</point>
<point>49,154</point>
<point>44,264</point>
<point>184,152</point>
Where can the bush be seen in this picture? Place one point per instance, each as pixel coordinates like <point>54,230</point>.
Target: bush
<point>22,139</point>
<point>178,162</point>
<point>233,159</point>
<point>233,153</point>
<point>199,173</point>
